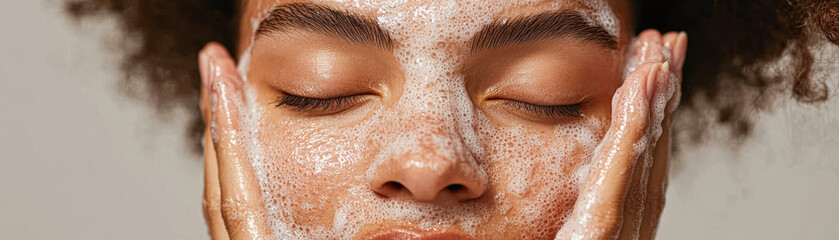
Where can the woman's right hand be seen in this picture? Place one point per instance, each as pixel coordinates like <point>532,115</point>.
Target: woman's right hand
<point>233,205</point>
<point>623,194</point>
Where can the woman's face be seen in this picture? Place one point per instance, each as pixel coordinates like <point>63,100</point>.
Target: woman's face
<point>470,117</point>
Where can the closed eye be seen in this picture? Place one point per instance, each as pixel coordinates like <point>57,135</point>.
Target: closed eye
<point>549,111</point>
<point>306,104</point>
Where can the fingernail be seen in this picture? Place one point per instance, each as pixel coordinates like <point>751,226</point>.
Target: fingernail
<point>664,73</point>
<point>213,96</point>
<point>213,75</point>
<point>681,49</point>
<point>651,79</point>
<point>203,68</point>
<point>215,88</point>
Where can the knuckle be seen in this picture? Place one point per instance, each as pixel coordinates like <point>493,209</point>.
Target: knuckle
<point>236,235</point>
<point>640,124</point>
<point>634,122</point>
<point>656,201</point>
<point>610,216</point>
<point>231,210</point>
<point>234,225</point>
<point>634,204</point>
<point>607,221</point>
<point>237,214</point>
<point>211,204</point>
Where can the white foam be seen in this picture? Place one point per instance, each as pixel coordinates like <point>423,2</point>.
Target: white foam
<point>603,15</point>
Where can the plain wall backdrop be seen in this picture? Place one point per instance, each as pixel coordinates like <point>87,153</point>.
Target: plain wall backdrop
<point>79,160</point>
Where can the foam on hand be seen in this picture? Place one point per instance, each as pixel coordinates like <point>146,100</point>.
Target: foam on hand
<point>434,110</point>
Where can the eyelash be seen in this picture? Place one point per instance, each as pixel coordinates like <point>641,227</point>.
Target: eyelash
<point>554,111</point>
<point>312,104</point>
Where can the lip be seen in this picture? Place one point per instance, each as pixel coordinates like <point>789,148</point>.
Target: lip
<point>404,234</point>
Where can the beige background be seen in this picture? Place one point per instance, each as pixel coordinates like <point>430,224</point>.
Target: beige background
<point>80,161</point>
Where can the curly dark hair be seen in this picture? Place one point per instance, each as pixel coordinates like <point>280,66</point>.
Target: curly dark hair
<point>726,77</point>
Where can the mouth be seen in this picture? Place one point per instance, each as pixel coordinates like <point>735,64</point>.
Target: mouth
<point>404,234</point>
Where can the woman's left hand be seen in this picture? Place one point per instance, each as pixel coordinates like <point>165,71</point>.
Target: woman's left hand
<point>623,195</point>
<point>233,204</point>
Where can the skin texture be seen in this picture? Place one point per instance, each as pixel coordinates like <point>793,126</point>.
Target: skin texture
<point>621,197</point>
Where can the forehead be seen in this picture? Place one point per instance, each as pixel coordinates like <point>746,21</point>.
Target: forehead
<point>452,21</point>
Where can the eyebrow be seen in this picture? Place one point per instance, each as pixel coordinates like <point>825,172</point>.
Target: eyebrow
<point>327,21</point>
<point>547,25</point>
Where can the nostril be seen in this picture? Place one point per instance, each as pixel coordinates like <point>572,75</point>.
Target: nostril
<point>455,187</point>
<point>394,185</point>
<point>391,189</point>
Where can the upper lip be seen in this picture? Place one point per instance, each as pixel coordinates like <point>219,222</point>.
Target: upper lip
<point>405,234</point>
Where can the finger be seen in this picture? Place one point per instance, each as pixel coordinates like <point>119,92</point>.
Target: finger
<point>597,213</point>
<point>657,184</point>
<point>678,47</point>
<point>242,206</point>
<point>669,39</point>
<point>212,194</point>
<point>651,50</point>
<point>659,172</point>
<point>650,47</point>
<point>638,198</point>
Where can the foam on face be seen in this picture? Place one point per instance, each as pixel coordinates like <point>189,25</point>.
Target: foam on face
<point>533,179</point>
<point>602,14</point>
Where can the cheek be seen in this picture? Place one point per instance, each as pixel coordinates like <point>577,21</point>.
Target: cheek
<point>306,172</point>
<point>539,173</point>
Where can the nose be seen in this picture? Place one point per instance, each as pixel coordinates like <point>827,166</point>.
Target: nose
<point>429,178</point>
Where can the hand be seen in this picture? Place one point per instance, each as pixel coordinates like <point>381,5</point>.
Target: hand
<point>233,205</point>
<point>623,195</point>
